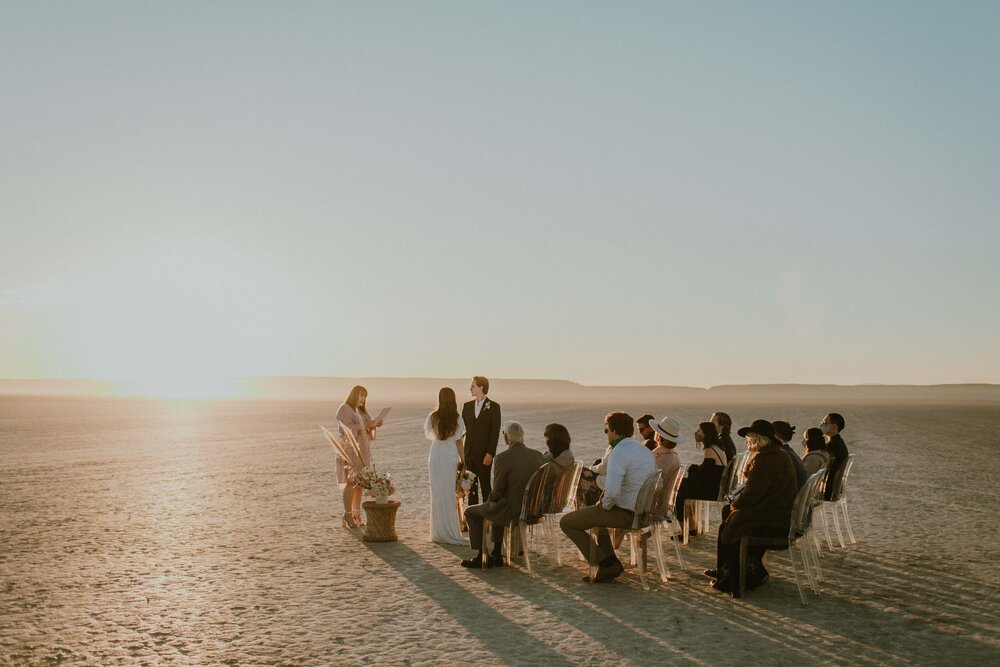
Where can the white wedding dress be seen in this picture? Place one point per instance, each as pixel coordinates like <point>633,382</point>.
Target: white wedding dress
<point>443,465</point>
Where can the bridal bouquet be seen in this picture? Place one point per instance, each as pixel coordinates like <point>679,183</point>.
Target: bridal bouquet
<point>464,479</point>
<point>377,483</point>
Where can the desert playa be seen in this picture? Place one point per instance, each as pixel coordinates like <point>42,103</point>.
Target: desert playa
<point>144,532</point>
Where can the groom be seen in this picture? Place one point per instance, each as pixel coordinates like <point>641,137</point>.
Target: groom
<point>482,432</point>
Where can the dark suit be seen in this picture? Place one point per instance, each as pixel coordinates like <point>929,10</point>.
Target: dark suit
<point>481,437</point>
<point>514,468</point>
<point>838,455</point>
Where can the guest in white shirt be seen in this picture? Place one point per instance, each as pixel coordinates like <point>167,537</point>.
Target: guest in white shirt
<point>628,466</point>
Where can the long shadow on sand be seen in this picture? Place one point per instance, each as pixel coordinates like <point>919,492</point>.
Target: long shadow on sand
<point>496,632</point>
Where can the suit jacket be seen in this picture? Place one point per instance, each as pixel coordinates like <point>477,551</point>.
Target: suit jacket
<point>511,471</point>
<point>481,434</point>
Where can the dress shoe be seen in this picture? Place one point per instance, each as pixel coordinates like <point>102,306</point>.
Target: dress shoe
<point>608,573</point>
<point>723,585</point>
<point>477,562</point>
<point>496,560</point>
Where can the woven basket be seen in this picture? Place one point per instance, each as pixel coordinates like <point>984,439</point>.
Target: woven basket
<point>381,526</point>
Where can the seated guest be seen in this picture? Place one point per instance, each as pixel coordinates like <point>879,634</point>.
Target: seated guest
<point>702,481</point>
<point>763,508</point>
<point>723,424</point>
<point>557,441</point>
<point>831,427</point>
<point>667,432</point>
<point>512,468</point>
<point>646,431</point>
<point>628,466</point>
<point>815,456</point>
<point>785,432</point>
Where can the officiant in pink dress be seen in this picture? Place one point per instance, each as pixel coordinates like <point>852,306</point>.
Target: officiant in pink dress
<point>354,418</point>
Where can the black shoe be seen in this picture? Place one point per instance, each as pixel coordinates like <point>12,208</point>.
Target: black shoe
<point>723,585</point>
<point>475,562</point>
<point>757,582</point>
<point>496,560</point>
<point>712,574</point>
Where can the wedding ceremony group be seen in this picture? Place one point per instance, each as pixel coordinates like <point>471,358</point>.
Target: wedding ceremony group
<point>482,493</point>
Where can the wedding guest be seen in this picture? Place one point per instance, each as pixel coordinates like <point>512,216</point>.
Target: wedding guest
<point>646,431</point>
<point>667,433</point>
<point>815,456</point>
<point>702,481</point>
<point>763,508</point>
<point>723,423</point>
<point>446,429</point>
<point>557,442</point>
<point>482,419</point>
<point>832,425</point>
<point>511,471</point>
<point>354,418</point>
<point>628,466</point>
<point>785,432</point>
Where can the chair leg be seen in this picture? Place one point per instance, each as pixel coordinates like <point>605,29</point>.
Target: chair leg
<point>847,521</point>
<point>836,524</point>
<point>743,567</point>
<point>826,526</point>
<point>795,572</point>
<point>527,551</point>
<point>633,548</point>
<point>486,546</point>
<point>642,559</point>
<point>593,554</point>
<point>661,562</point>
<point>677,546</point>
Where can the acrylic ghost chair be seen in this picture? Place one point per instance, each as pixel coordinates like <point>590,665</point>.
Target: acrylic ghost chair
<point>732,475</point>
<point>664,509</point>
<point>642,519</point>
<point>562,499</point>
<point>534,503</point>
<point>838,500</point>
<point>798,539</point>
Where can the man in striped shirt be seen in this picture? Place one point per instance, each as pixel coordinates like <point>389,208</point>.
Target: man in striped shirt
<point>629,465</point>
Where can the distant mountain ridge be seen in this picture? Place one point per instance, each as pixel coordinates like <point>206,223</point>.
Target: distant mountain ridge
<point>424,391</point>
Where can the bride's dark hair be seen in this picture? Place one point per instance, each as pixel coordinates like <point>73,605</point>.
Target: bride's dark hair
<point>444,420</point>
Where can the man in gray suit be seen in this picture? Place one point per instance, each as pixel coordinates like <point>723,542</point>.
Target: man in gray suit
<point>512,469</point>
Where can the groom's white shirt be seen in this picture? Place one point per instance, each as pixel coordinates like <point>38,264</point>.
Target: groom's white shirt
<point>479,406</point>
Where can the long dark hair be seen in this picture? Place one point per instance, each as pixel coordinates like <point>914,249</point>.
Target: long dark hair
<point>444,420</point>
<point>556,439</point>
<point>725,421</point>
<point>711,435</point>
<point>814,440</point>
<point>354,399</point>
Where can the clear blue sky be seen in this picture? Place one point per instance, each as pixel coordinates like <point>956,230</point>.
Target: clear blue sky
<point>614,193</point>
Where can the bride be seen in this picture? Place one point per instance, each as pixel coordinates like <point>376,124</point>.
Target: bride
<point>445,427</point>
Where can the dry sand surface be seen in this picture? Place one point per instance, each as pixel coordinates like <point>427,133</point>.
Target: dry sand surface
<point>135,532</point>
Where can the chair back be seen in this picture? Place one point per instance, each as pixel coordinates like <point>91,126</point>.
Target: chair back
<point>802,508</point>
<point>536,500</point>
<point>728,481</point>
<point>742,461</point>
<point>563,495</point>
<point>646,500</point>
<point>666,497</point>
<point>839,480</point>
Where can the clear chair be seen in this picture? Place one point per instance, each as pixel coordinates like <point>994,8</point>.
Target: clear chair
<point>643,519</point>
<point>732,475</point>
<point>838,500</point>
<point>535,502</point>
<point>798,538</point>
<point>664,524</point>
<point>562,499</point>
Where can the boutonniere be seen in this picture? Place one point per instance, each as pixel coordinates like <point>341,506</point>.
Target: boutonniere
<point>486,405</point>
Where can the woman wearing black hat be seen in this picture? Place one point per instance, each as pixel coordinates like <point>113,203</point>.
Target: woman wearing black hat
<point>763,508</point>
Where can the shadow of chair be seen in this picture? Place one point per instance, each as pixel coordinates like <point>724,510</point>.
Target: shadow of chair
<point>798,537</point>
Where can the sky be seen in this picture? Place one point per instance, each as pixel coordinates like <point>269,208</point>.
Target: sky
<point>611,193</point>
